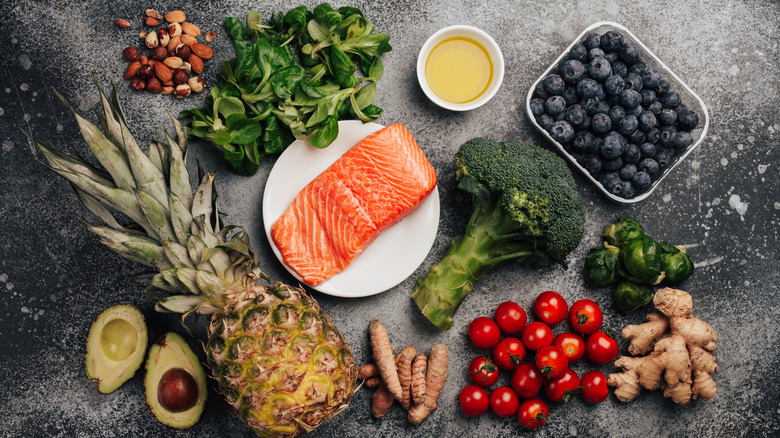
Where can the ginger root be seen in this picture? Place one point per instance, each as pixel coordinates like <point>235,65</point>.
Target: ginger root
<point>677,348</point>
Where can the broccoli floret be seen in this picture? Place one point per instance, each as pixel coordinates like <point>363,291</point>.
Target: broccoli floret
<point>525,207</point>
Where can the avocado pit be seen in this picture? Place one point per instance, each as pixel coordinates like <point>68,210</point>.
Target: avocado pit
<point>177,391</point>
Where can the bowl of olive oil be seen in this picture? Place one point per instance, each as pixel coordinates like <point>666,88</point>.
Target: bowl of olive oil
<point>460,68</point>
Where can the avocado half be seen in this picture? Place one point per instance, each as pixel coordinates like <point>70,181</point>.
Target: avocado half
<point>116,346</point>
<point>175,382</point>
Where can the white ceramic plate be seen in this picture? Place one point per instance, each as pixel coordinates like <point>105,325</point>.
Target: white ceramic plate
<point>391,258</point>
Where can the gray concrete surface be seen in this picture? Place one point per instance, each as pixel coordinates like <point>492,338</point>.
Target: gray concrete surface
<point>723,204</point>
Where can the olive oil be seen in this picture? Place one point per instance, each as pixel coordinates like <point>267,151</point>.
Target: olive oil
<point>459,70</point>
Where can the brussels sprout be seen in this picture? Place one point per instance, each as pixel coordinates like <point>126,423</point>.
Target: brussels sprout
<point>676,263</point>
<point>630,296</point>
<point>601,265</point>
<point>623,230</point>
<point>642,261</point>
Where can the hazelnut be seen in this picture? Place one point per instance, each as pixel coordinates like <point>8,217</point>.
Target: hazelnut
<point>180,76</point>
<point>146,71</point>
<point>131,54</point>
<point>138,83</point>
<point>174,30</point>
<point>151,21</point>
<point>164,37</point>
<point>159,53</point>
<point>152,40</point>
<point>196,84</point>
<point>209,36</point>
<point>186,66</point>
<point>142,34</point>
<point>154,85</point>
<point>183,51</point>
<point>182,91</point>
<point>173,62</point>
<point>153,13</point>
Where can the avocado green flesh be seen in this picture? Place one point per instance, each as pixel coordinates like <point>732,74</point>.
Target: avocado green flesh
<point>169,352</point>
<point>116,346</point>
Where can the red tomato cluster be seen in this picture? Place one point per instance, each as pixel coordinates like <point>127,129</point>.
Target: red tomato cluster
<point>548,371</point>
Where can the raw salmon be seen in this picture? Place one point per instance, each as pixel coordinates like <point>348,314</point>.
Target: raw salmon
<point>374,185</point>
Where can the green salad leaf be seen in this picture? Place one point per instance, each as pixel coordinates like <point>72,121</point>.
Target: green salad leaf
<point>292,78</point>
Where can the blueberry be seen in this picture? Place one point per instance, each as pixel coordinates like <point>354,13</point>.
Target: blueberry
<point>578,52</point>
<point>575,116</point>
<point>646,120</point>
<point>664,157</point>
<point>590,104</point>
<point>635,111</point>
<point>630,99</point>
<point>628,190</point>
<point>651,77</point>
<point>560,116</point>
<point>585,124</point>
<point>655,107</point>
<point>613,100</point>
<point>602,107</point>
<point>667,116</point>
<point>687,120</point>
<point>592,41</point>
<point>619,68</point>
<point>537,106</point>
<point>577,157</point>
<point>637,137</point>
<point>611,41</point>
<point>648,96</point>
<point>632,154</point>
<point>639,67</point>
<point>545,121</point>
<point>613,164</point>
<point>682,139</point>
<point>648,165</point>
<point>653,135</point>
<point>668,134</point>
<point>681,108</point>
<point>555,105</point>
<point>628,125</point>
<point>647,150</point>
<point>562,132</point>
<point>583,142</point>
<point>616,113</point>
<point>570,95</point>
<point>634,82</point>
<point>572,71</point>
<point>587,88</point>
<point>540,91</point>
<point>670,100</point>
<point>591,163</point>
<point>600,123</point>
<point>630,53</point>
<point>613,145</point>
<point>662,87</point>
<point>627,172</point>
<point>595,53</point>
<point>614,85</point>
<point>612,182</point>
<point>554,84</point>
<point>640,180</point>
<point>612,57</point>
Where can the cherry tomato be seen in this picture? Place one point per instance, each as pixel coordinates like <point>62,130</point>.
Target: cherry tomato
<point>474,400</point>
<point>594,387</point>
<point>550,307</point>
<point>508,354</point>
<point>551,361</point>
<point>483,371</point>
<point>600,348</point>
<point>504,401</point>
<point>562,388</point>
<point>527,380</point>
<point>537,335</point>
<point>585,317</point>
<point>533,413</point>
<point>510,317</point>
<point>572,344</point>
<point>484,333</point>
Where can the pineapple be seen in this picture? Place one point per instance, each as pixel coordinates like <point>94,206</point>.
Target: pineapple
<point>278,360</point>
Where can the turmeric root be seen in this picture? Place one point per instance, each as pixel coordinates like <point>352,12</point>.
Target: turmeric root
<point>435,377</point>
<point>404,365</point>
<point>367,371</point>
<point>679,359</point>
<point>382,401</point>
<point>384,358</point>
<point>419,366</point>
<point>373,382</point>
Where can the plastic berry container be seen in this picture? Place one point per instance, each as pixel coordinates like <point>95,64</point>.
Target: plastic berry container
<point>687,97</point>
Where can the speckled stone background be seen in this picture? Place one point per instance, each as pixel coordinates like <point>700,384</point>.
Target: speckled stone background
<point>722,204</point>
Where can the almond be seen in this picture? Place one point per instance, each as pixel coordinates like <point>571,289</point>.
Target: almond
<point>173,62</point>
<point>196,63</point>
<point>154,14</point>
<point>173,44</point>
<point>122,23</point>
<point>151,21</point>
<point>167,90</point>
<point>176,16</point>
<point>190,29</point>
<point>162,71</point>
<point>169,84</point>
<point>132,69</point>
<point>203,51</point>
<point>143,59</point>
<point>188,39</point>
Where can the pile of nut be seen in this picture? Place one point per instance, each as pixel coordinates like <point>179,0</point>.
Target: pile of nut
<point>176,54</point>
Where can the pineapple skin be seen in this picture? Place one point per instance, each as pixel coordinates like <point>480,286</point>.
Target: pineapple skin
<point>279,361</point>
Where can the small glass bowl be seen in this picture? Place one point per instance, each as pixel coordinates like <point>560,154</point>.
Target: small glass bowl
<point>490,45</point>
<point>690,99</point>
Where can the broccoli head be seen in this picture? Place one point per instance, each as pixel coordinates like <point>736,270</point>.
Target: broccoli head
<point>525,207</point>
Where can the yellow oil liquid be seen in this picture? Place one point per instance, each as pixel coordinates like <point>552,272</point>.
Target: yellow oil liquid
<point>459,70</point>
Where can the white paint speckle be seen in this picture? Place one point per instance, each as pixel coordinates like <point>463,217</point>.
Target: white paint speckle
<point>716,201</point>
<point>24,87</point>
<point>59,128</point>
<point>724,161</point>
<point>25,309</point>
<point>736,203</point>
<point>740,146</point>
<point>733,70</point>
<point>9,286</point>
<point>25,62</point>
<point>762,168</point>
<point>695,165</point>
<point>3,278</point>
<point>8,91</point>
<point>777,205</point>
<point>734,155</point>
<point>27,117</point>
<point>14,41</point>
<point>2,111</point>
<point>7,146</point>
<point>667,198</point>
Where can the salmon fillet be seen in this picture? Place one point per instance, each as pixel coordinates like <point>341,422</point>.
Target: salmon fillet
<point>374,185</point>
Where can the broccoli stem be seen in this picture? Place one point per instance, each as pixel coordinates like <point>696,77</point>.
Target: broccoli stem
<point>487,243</point>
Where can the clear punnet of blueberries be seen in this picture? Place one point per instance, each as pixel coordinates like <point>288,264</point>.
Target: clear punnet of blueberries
<point>613,114</point>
